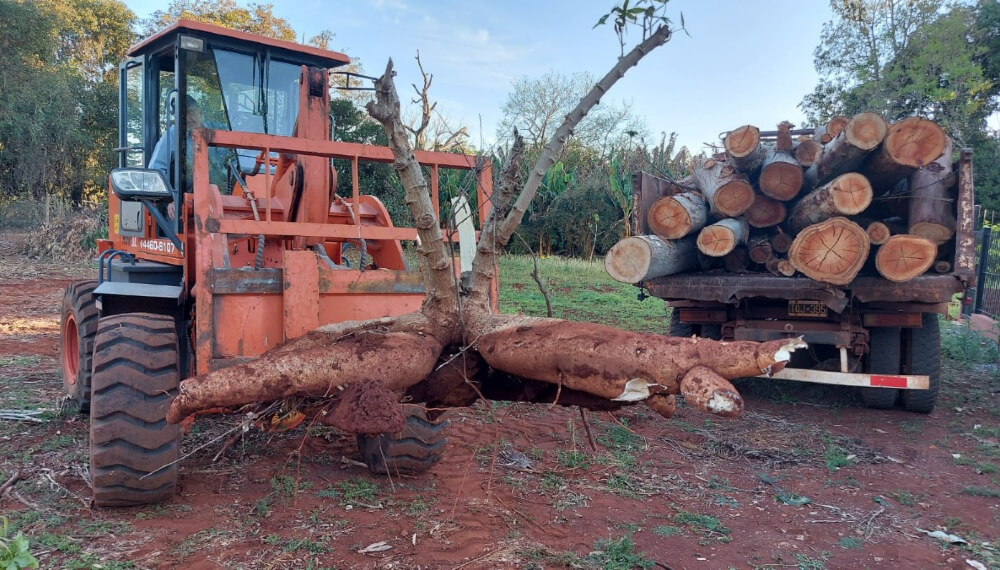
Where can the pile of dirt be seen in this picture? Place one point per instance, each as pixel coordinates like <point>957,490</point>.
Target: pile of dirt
<point>70,238</point>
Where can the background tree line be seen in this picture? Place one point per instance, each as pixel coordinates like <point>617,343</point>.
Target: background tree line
<point>59,92</point>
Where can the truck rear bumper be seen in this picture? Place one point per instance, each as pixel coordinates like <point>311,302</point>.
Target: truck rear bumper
<point>905,382</point>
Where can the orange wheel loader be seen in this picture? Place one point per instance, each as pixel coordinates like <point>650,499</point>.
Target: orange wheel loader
<point>227,238</point>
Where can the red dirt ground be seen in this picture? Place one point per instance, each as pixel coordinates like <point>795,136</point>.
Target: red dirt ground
<point>520,486</point>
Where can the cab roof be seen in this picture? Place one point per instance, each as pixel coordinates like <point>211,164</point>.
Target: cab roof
<point>305,55</point>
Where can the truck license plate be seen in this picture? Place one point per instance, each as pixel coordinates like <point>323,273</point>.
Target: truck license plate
<point>806,309</point>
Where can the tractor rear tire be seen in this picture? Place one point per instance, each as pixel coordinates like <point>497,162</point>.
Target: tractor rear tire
<point>77,331</point>
<point>133,450</point>
<point>924,355</point>
<point>414,449</point>
<point>883,358</point>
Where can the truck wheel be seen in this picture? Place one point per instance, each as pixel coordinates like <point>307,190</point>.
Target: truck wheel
<point>77,331</point>
<point>924,348</point>
<point>415,449</point>
<point>883,358</point>
<point>136,376</point>
<point>679,329</point>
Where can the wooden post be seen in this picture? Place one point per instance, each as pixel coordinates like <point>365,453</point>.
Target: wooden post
<point>637,258</point>
<point>727,192</point>
<point>846,195</point>
<point>722,237</point>
<point>832,251</point>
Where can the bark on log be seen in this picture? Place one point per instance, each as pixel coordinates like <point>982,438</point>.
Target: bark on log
<point>765,212</point>
<point>878,233</point>
<point>743,149</point>
<point>904,257</point>
<point>847,151</point>
<point>807,151</point>
<point>638,258</point>
<point>728,193</point>
<point>781,175</point>
<point>846,195</point>
<point>832,128</point>
<point>931,204</point>
<point>759,248</point>
<point>673,217</point>
<point>706,390</point>
<point>736,261</point>
<point>722,237</point>
<point>832,251</point>
<point>910,144</point>
<point>780,241</point>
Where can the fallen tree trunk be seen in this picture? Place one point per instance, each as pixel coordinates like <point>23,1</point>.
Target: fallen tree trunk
<point>722,237</point>
<point>847,151</point>
<point>781,175</point>
<point>588,365</point>
<point>728,193</point>
<point>832,251</point>
<point>931,205</point>
<point>846,195</point>
<point>910,144</point>
<point>638,258</point>
<point>673,217</point>
<point>765,212</point>
<point>904,257</point>
<point>743,149</point>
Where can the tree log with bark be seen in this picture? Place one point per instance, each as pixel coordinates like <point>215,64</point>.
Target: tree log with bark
<point>903,257</point>
<point>530,359</point>
<point>931,205</point>
<point>743,149</point>
<point>638,258</point>
<point>765,212</point>
<point>722,237</point>
<point>727,191</point>
<point>910,144</point>
<point>847,151</point>
<point>846,195</point>
<point>673,217</point>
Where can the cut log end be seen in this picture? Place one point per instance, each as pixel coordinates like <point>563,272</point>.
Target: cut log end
<point>832,251</point>
<point>878,233</point>
<point>781,180</point>
<point>786,268</point>
<point>716,241</point>
<point>851,193</point>
<point>936,233</point>
<point>808,151</point>
<point>915,142</point>
<point>628,260</point>
<point>734,198</point>
<point>942,266</point>
<point>743,141</point>
<point>904,257</point>
<point>866,130</point>
<point>766,212</point>
<point>673,217</point>
<point>835,125</point>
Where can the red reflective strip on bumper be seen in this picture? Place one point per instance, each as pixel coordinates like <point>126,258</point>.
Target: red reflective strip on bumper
<point>888,381</point>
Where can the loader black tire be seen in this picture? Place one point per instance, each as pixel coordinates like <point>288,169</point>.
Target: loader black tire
<point>77,330</point>
<point>133,450</point>
<point>924,356</point>
<point>884,357</point>
<point>415,449</point>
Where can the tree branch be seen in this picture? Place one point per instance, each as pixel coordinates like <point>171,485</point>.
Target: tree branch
<point>487,250</point>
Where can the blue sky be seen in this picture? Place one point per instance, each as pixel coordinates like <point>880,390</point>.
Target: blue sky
<point>744,62</point>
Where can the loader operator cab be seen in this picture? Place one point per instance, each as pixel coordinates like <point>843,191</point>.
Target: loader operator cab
<point>237,83</point>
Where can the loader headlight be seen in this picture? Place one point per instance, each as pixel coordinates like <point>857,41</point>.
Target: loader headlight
<point>140,184</point>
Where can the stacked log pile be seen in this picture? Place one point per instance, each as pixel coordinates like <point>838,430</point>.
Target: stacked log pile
<point>853,196</point>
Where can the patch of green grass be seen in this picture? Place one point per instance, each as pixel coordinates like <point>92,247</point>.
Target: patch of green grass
<point>618,554</point>
<point>623,484</point>
<point>851,543</point>
<point>262,506</point>
<point>911,426</point>
<point>834,457</point>
<point>288,486</point>
<point>905,498</point>
<point>418,505</point>
<point>620,438</point>
<point>667,530</point>
<point>552,481</point>
<point>982,492</point>
<point>981,467</point>
<point>705,524</point>
<point>357,491</point>
<point>579,291</point>
<point>966,346</point>
<point>808,563</point>
<point>295,544</point>
<point>572,459</point>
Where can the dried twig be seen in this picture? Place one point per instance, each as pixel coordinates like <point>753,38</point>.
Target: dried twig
<point>22,415</point>
<point>10,481</point>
